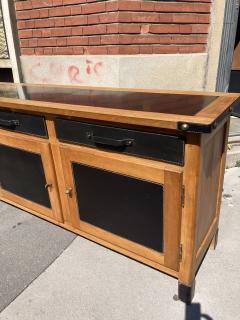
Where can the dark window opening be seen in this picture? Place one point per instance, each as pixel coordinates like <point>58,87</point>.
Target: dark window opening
<point>6,75</point>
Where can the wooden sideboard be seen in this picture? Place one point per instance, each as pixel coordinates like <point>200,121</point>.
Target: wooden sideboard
<point>138,171</point>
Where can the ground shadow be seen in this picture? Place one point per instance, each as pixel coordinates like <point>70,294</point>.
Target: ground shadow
<point>193,312</point>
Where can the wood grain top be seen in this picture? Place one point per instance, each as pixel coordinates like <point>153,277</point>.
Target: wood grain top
<point>141,107</point>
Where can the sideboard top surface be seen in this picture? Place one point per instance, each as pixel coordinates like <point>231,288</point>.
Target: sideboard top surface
<point>157,108</point>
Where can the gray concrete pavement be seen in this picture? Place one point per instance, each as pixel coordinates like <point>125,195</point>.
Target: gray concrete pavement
<point>28,245</point>
<point>89,282</point>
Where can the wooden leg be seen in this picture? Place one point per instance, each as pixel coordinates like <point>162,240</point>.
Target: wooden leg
<point>186,293</point>
<point>214,241</point>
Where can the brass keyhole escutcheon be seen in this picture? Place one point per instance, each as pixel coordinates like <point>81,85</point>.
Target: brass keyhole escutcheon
<point>69,191</point>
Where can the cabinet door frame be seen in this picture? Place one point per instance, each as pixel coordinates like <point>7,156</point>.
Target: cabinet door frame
<point>41,147</point>
<point>170,176</point>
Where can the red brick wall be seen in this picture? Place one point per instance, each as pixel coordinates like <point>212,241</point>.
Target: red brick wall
<point>112,27</point>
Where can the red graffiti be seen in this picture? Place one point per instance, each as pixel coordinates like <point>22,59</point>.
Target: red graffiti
<point>74,74</point>
<point>34,75</point>
<point>97,66</point>
<point>47,73</point>
<point>91,66</point>
<point>55,69</point>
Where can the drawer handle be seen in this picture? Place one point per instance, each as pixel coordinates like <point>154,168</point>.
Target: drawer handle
<point>110,142</point>
<point>9,123</point>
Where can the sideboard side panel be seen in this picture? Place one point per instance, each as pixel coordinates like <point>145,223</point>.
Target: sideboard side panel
<point>212,152</point>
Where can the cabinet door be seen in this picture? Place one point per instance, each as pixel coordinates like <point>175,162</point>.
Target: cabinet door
<point>131,203</point>
<point>26,174</point>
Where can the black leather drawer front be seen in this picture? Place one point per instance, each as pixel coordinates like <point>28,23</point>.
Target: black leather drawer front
<point>21,122</point>
<point>163,147</point>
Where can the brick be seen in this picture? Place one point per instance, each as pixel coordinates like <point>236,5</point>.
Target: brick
<point>164,28</point>
<point>113,49</point>
<point>58,22</point>
<point>57,2</point>
<point>77,50</point>
<point>41,4</point>
<point>138,17</point>
<point>93,19</point>
<point>129,28</point>
<point>112,6</point>
<point>46,33</point>
<point>25,5</point>
<point>148,6</point>
<point>112,28</point>
<point>24,43</point>
<point>76,21</point>
<point>47,42</point>
<point>165,49</point>
<point>136,39</point>
<point>97,27</point>
<point>43,13</point>
<point>21,24</point>
<point>27,51</point>
<point>37,33</point>
<point>93,8</point>
<point>47,51</point>
<point>165,17</point>
<point>76,10</point>
<point>125,17</point>
<point>190,18</point>
<point>198,0</point>
<point>181,7</point>
<point>200,28</point>
<point>185,28</point>
<point>95,50</point>
<point>192,49</point>
<point>110,39</point>
<point>188,39</point>
<point>61,42</point>
<point>22,15</point>
<point>94,40</point>
<point>67,2</point>
<point>63,50</point>
<point>146,49</point>
<point>77,31</point>
<point>76,41</point>
<point>129,50</point>
<point>44,23</point>
<point>29,24</point>
<point>108,17</point>
<point>25,34</point>
<point>60,32</point>
<point>39,51</point>
<point>129,5</point>
<point>34,14</point>
<point>145,28</point>
<point>33,43</point>
<point>59,12</point>
<point>91,30</point>
<point>19,6</point>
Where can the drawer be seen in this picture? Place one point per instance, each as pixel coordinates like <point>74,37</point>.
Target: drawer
<point>169,148</point>
<point>21,122</point>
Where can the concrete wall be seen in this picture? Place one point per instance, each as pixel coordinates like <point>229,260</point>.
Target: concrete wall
<point>166,71</point>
